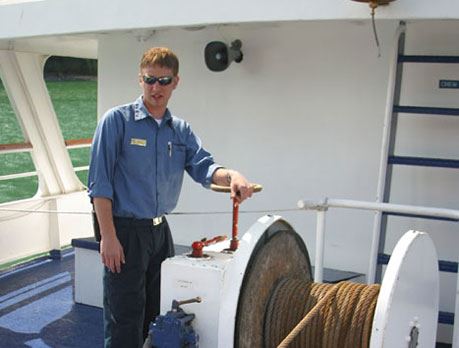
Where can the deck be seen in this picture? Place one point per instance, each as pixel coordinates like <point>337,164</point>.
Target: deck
<point>37,308</point>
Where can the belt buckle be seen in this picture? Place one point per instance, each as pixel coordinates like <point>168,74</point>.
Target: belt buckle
<point>157,220</point>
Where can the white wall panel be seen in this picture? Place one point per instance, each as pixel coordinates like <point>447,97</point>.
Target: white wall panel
<point>302,115</point>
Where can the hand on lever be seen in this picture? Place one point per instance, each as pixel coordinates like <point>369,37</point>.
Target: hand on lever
<point>241,189</point>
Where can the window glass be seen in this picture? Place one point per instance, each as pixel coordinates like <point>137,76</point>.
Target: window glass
<point>17,162</point>
<point>11,131</point>
<point>80,158</point>
<point>72,86</point>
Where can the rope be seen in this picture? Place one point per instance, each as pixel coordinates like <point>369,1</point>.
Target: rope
<point>307,319</point>
<point>375,33</point>
<point>173,213</point>
<point>329,316</point>
<point>18,213</point>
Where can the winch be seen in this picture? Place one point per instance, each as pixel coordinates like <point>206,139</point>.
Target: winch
<point>262,294</point>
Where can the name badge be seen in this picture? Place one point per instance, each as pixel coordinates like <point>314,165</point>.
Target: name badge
<point>138,142</point>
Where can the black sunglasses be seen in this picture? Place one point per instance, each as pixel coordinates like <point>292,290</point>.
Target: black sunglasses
<point>163,80</point>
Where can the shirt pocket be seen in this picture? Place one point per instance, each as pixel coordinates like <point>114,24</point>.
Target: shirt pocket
<point>137,157</point>
<point>177,155</point>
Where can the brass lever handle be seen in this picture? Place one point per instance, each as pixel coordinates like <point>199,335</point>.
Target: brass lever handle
<point>219,188</point>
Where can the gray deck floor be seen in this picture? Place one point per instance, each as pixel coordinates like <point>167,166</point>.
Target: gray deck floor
<point>37,308</point>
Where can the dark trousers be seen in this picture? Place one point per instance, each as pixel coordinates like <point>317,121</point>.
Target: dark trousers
<point>132,297</point>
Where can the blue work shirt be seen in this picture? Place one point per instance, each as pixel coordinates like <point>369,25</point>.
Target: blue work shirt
<point>139,165</point>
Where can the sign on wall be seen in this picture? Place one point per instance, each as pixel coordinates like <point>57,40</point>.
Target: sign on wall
<point>448,84</point>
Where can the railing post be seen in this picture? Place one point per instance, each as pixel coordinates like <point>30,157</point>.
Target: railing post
<point>320,238</point>
<point>54,232</point>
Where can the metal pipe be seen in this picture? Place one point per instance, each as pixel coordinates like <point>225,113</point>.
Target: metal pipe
<point>13,148</point>
<point>374,249</point>
<point>234,235</point>
<point>18,175</point>
<point>320,245</point>
<point>29,174</point>
<point>380,207</point>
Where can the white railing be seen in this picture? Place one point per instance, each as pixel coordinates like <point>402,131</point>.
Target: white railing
<point>27,147</point>
<point>321,208</point>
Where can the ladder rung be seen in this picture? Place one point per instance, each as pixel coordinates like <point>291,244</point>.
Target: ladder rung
<point>429,217</point>
<point>447,266</point>
<point>424,161</point>
<point>383,259</point>
<point>443,266</point>
<point>427,59</point>
<point>446,318</point>
<point>426,110</point>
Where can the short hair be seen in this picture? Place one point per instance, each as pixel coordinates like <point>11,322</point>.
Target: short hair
<point>161,56</point>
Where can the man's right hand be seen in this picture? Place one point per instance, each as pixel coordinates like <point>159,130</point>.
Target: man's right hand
<point>112,253</point>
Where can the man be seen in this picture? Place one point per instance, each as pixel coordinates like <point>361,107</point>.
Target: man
<point>138,157</point>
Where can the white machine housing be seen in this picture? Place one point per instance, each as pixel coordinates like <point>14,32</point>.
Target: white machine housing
<point>217,279</point>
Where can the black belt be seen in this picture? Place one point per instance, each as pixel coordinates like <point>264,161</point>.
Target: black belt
<point>140,222</point>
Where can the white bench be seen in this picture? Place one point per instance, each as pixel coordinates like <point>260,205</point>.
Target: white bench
<point>89,271</point>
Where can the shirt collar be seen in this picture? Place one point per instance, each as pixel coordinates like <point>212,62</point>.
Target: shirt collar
<point>141,112</point>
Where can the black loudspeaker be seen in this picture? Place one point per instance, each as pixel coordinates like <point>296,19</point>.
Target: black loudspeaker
<point>219,56</point>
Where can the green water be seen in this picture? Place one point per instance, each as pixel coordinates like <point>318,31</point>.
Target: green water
<point>75,104</point>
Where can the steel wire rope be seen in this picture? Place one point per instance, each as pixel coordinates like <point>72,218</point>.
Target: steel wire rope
<point>333,315</point>
<point>173,213</point>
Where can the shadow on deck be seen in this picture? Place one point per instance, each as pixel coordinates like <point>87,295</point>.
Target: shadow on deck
<point>37,307</point>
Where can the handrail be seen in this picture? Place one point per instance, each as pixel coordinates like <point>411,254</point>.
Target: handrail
<point>28,147</point>
<point>322,206</point>
<point>74,143</point>
<point>16,147</point>
<point>18,175</point>
<point>381,207</point>
<point>34,173</point>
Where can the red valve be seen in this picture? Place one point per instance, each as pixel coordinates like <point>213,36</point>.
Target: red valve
<point>199,245</point>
